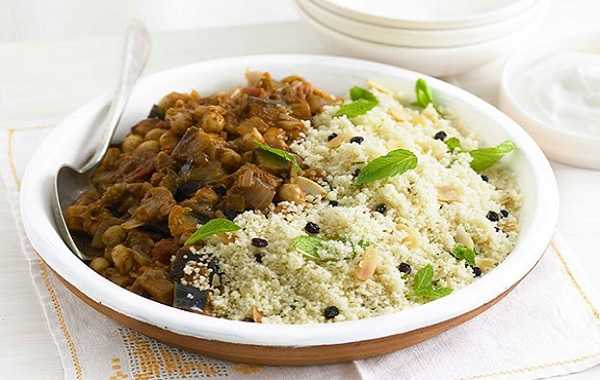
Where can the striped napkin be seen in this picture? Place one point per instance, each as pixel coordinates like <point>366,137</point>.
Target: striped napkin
<point>549,325</point>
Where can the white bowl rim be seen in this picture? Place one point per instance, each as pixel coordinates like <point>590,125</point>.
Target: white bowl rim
<point>55,253</point>
<point>440,23</point>
<point>534,4</point>
<point>456,49</point>
<point>421,38</point>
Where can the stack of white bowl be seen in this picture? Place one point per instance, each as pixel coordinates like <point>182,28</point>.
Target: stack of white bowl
<point>436,37</point>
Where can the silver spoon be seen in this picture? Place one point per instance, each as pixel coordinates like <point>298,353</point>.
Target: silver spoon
<point>70,182</point>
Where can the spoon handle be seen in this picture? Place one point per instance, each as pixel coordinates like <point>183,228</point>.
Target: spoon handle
<point>135,55</point>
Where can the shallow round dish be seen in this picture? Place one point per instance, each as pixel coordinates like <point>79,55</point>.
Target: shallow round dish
<point>567,146</point>
<point>419,37</point>
<point>427,14</point>
<point>439,61</point>
<point>288,344</point>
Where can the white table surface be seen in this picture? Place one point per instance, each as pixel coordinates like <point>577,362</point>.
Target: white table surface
<point>41,82</point>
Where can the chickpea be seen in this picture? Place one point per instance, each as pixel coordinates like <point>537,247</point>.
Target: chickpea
<point>301,109</point>
<point>99,264</point>
<point>212,121</point>
<point>248,156</point>
<point>168,141</point>
<point>122,258</point>
<point>144,126</point>
<point>131,142</point>
<point>116,277</point>
<point>206,195</point>
<point>252,122</point>
<point>171,99</point>
<point>275,137</point>
<point>180,121</point>
<point>231,159</point>
<point>154,134</point>
<point>150,145</point>
<point>107,255</point>
<point>291,125</point>
<point>141,258</point>
<point>113,235</point>
<point>200,110</point>
<point>248,141</point>
<point>291,193</point>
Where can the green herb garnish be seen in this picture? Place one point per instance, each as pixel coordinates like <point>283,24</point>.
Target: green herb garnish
<point>364,243</point>
<point>279,154</point>
<point>463,253</point>
<point>357,93</point>
<point>362,101</point>
<point>212,227</point>
<point>394,163</point>
<point>453,144</point>
<point>423,285</point>
<point>423,93</point>
<point>356,108</point>
<point>483,158</point>
<point>309,246</point>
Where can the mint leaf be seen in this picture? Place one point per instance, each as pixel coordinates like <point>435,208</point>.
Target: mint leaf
<point>463,253</point>
<point>435,293</point>
<point>423,93</point>
<point>423,285</point>
<point>423,278</point>
<point>356,108</point>
<point>363,101</point>
<point>394,163</point>
<point>279,154</point>
<point>357,93</point>
<point>309,246</point>
<point>453,144</point>
<point>212,227</point>
<point>483,158</point>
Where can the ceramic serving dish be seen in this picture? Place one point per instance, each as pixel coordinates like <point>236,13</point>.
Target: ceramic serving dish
<point>559,142</point>
<point>419,37</point>
<point>427,14</point>
<point>73,140</point>
<point>436,61</point>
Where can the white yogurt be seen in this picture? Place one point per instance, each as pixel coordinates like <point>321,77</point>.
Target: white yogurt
<point>562,90</point>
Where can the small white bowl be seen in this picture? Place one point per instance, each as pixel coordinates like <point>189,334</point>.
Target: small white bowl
<point>69,143</point>
<point>567,146</point>
<point>427,14</point>
<point>419,37</point>
<point>432,61</point>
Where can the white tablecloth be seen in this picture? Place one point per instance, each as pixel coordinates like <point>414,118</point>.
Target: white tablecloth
<point>43,82</point>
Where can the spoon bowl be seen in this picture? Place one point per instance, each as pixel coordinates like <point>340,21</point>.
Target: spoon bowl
<point>69,182</point>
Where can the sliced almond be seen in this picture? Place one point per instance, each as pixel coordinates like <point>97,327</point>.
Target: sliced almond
<point>410,240</point>
<point>337,141</point>
<point>256,315</point>
<point>508,201</point>
<point>463,238</point>
<point>508,225</point>
<point>368,265</point>
<point>308,186</point>
<point>485,263</point>
<point>448,193</point>
<point>397,116</point>
<point>379,87</point>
